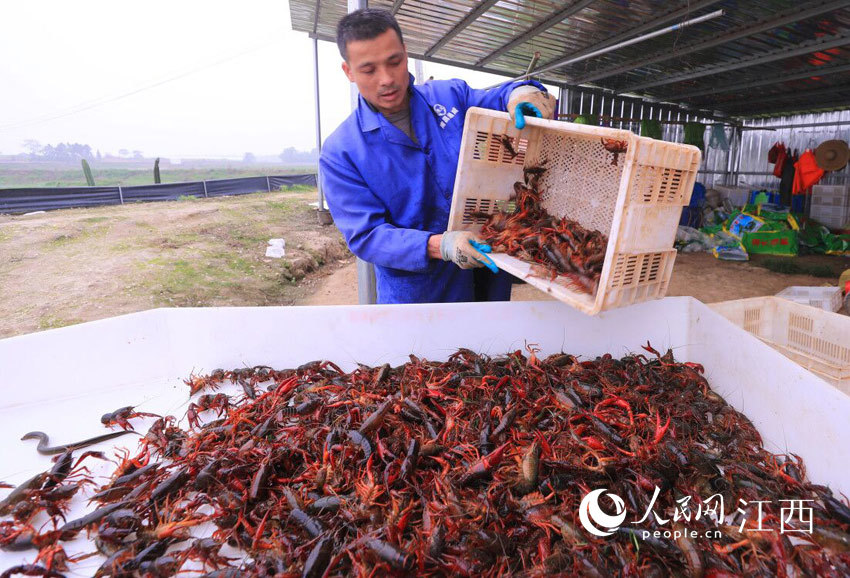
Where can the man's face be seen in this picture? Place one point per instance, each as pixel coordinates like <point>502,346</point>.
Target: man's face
<point>379,69</point>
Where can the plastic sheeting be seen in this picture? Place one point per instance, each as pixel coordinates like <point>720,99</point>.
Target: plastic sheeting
<point>24,200</point>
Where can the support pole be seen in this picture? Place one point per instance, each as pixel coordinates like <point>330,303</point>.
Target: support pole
<point>323,219</point>
<point>420,74</point>
<point>366,290</point>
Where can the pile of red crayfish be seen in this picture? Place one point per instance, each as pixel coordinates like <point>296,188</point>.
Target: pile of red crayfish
<point>475,466</point>
<point>562,248</point>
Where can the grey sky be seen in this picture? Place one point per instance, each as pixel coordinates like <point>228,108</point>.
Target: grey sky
<point>173,79</point>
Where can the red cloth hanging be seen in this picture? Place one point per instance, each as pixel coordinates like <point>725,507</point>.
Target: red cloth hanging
<point>773,153</point>
<point>781,159</point>
<point>807,173</point>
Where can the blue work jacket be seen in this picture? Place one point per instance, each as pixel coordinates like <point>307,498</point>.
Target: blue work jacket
<point>389,194</point>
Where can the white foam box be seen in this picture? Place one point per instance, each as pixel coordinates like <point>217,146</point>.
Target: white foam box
<point>62,380</point>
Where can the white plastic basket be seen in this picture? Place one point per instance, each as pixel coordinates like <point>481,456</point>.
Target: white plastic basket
<point>826,298</point>
<point>816,339</point>
<point>636,200</point>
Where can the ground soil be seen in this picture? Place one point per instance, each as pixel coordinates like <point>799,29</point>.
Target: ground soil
<point>697,275</point>
<point>76,265</point>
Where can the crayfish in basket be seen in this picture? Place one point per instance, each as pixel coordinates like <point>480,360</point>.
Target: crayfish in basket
<point>559,248</point>
<point>615,146</point>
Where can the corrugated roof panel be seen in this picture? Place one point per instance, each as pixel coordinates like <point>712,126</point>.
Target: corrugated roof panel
<point>426,23</point>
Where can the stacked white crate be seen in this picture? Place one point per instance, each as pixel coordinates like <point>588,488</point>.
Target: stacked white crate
<point>831,205</point>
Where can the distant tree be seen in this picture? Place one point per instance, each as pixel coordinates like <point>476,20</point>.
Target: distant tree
<point>98,155</point>
<point>249,158</point>
<point>288,154</point>
<point>32,146</point>
<point>293,155</point>
<point>138,155</point>
<point>123,153</point>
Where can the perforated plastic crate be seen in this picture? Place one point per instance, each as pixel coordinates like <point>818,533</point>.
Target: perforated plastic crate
<point>826,298</point>
<point>636,199</point>
<point>816,339</point>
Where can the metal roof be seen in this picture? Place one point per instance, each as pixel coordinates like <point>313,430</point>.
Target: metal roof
<point>762,57</point>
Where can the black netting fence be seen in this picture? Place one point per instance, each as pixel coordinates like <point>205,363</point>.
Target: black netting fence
<point>25,200</point>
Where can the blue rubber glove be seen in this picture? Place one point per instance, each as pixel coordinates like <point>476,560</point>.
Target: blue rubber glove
<point>522,109</point>
<point>485,248</point>
<point>466,250</point>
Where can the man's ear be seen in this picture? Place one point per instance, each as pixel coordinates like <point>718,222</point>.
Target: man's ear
<point>347,70</point>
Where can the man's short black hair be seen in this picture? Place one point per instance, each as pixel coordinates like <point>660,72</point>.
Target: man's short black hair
<point>364,24</point>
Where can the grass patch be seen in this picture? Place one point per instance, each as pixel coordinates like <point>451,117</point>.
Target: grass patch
<point>76,236</point>
<point>196,281</point>
<point>123,247</point>
<point>187,198</point>
<point>285,208</point>
<point>95,219</point>
<point>298,188</point>
<point>789,267</point>
<point>54,322</point>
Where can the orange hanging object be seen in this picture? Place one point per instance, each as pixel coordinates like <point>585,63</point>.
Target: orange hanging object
<point>807,172</point>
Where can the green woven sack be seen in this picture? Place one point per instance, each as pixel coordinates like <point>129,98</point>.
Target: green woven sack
<point>771,243</point>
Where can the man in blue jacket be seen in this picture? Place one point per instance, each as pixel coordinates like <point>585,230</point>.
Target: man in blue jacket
<point>388,170</point>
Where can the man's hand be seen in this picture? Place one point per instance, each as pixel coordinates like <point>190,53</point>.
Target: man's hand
<point>456,246</point>
<point>528,100</point>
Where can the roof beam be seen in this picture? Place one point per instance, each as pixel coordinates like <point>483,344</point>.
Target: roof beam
<point>542,26</point>
<point>788,109</point>
<point>691,109</point>
<point>754,106</point>
<point>807,73</point>
<point>640,29</point>
<point>316,15</point>
<point>784,18</point>
<point>460,26</point>
<point>781,54</point>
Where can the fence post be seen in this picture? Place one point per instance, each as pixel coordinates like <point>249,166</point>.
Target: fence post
<point>205,190</point>
<point>120,194</point>
<point>268,184</point>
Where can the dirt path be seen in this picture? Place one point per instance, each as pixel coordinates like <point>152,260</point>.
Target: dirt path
<point>76,265</point>
<point>695,274</point>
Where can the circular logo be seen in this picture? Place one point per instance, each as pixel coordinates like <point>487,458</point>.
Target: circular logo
<point>590,512</point>
<point>440,109</point>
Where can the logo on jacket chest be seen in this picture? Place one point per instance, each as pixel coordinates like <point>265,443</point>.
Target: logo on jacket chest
<point>445,116</point>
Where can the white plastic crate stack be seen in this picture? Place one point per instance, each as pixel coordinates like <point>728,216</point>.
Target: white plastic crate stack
<point>826,298</point>
<point>816,339</point>
<point>635,198</point>
<point>831,205</point>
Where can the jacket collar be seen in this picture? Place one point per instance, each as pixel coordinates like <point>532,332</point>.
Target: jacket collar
<point>369,118</point>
